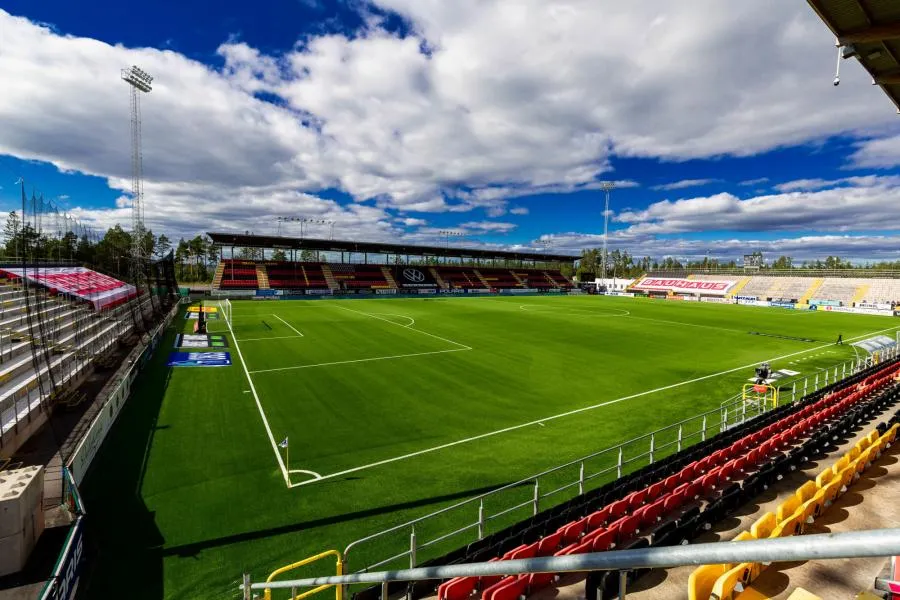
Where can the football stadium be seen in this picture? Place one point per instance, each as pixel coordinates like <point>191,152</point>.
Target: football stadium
<point>320,395</point>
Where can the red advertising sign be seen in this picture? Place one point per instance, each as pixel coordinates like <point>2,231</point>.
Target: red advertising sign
<point>717,288</point>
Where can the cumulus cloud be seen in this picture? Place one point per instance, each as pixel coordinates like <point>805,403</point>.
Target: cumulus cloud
<point>683,184</point>
<point>878,153</point>
<point>859,204</point>
<point>484,115</point>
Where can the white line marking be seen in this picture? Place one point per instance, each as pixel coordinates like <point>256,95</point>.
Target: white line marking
<point>359,360</point>
<point>565,414</point>
<point>411,320</point>
<point>287,477</point>
<point>275,337</point>
<point>313,473</point>
<point>374,316</point>
<point>289,325</point>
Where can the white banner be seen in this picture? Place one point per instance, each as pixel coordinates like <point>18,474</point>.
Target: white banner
<point>857,311</point>
<point>717,300</point>
<point>659,284</point>
<point>874,305</point>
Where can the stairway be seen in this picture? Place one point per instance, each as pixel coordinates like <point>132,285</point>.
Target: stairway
<point>329,277</point>
<point>217,278</point>
<point>305,276</point>
<point>262,277</point>
<point>441,283</point>
<point>519,279</point>
<point>481,278</point>
<point>816,284</point>
<point>860,294</point>
<point>737,289</point>
<point>389,277</point>
<point>550,279</point>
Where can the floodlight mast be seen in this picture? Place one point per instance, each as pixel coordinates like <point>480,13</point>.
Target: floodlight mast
<point>140,82</point>
<point>607,187</point>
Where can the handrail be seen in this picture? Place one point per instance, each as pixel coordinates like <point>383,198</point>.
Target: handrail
<point>852,544</point>
<point>306,561</point>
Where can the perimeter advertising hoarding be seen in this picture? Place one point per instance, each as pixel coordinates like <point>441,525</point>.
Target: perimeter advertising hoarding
<point>685,286</point>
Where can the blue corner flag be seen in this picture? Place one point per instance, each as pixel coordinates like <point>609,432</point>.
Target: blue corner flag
<point>283,444</point>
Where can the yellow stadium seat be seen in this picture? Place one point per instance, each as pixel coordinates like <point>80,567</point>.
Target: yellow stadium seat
<point>840,464</point>
<point>744,573</point>
<point>764,526</point>
<point>788,527</point>
<point>825,477</point>
<point>873,436</point>
<point>787,508</point>
<point>812,508</point>
<point>701,581</point>
<point>807,491</point>
<point>891,434</point>
<point>846,477</point>
<point>853,453</point>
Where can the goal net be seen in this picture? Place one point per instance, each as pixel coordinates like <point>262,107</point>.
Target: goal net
<point>225,307</point>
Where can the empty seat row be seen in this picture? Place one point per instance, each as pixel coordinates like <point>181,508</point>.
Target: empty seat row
<point>792,516</point>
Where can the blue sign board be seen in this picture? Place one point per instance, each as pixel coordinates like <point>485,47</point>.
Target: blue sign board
<point>199,359</point>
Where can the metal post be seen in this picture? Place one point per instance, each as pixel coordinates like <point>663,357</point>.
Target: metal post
<point>481,519</point>
<point>805,385</point>
<point>293,593</point>
<point>794,392</point>
<point>247,591</point>
<point>703,433</point>
<point>581,479</point>
<point>384,590</point>
<point>619,466</point>
<point>412,548</point>
<point>652,446</point>
<point>826,377</point>
<point>743,412</point>
<point>817,382</point>
<point>722,425</point>
<point>833,379</point>
<point>537,496</point>
<point>679,438</point>
<point>623,584</point>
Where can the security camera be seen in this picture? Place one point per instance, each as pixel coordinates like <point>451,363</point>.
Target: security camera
<point>837,81</point>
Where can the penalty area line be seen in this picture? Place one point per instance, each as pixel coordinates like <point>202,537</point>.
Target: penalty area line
<point>375,316</point>
<point>566,414</point>
<point>359,360</point>
<point>289,325</point>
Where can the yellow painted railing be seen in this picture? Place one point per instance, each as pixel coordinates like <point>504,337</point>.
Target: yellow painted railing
<point>338,590</point>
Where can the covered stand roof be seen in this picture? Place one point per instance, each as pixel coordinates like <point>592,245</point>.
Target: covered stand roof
<point>870,31</point>
<point>293,243</point>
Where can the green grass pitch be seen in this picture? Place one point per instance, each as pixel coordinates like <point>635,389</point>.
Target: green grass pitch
<point>401,406</point>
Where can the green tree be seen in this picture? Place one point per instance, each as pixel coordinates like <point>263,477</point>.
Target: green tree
<point>307,255</point>
<point>783,262</point>
<point>279,255</point>
<point>11,233</point>
<point>163,245</point>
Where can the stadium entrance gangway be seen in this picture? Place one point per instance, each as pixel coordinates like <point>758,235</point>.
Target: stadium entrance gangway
<point>854,544</point>
<point>526,497</point>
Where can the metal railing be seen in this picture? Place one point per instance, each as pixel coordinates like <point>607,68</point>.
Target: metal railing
<point>855,544</point>
<point>470,520</point>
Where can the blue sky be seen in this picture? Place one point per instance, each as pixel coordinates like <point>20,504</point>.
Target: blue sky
<point>497,119</point>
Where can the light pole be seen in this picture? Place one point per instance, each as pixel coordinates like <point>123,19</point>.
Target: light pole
<point>448,233</point>
<point>140,81</point>
<point>607,187</point>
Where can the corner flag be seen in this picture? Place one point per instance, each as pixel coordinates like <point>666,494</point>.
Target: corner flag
<point>283,444</point>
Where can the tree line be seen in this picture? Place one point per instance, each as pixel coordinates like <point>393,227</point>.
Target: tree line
<point>195,259</point>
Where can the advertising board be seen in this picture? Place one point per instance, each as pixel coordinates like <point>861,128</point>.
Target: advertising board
<point>715,288</point>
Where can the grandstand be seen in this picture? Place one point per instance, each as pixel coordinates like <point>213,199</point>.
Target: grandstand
<point>383,267</point>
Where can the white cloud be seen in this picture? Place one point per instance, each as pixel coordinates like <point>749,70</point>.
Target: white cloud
<point>490,111</point>
<point>757,181</point>
<point>683,184</point>
<point>411,222</point>
<point>488,226</point>
<point>859,204</point>
<point>855,247</point>
<point>878,153</point>
<point>518,210</point>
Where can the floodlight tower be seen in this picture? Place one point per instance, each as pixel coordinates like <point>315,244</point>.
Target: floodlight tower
<point>607,187</point>
<point>139,81</point>
<point>448,233</point>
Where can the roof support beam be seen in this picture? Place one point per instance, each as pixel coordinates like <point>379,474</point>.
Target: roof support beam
<point>876,33</point>
<point>888,78</point>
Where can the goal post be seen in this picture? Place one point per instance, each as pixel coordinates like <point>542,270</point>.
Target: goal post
<point>226,310</point>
